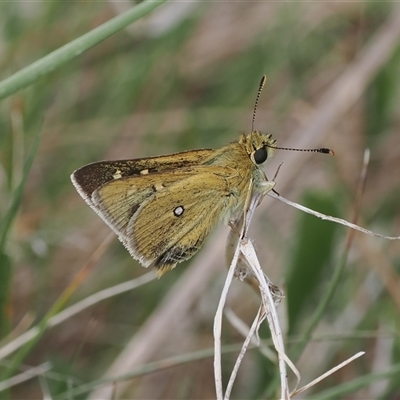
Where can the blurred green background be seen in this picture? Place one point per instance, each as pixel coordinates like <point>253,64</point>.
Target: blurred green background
<point>181,78</point>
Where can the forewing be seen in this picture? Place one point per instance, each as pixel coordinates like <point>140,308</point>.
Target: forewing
<point>93,176</point>
<point>166,222</point>
<point>119,200</point>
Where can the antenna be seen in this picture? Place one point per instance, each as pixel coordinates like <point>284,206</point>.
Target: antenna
<point>322,150</point>
<point>260,88</point>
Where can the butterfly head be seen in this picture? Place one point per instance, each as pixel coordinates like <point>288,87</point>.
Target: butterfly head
<point>259,146</point>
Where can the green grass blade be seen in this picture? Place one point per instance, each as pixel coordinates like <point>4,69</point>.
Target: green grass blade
<point>49,63</point>
<point>5,225</point>
<point>312,256</point>
<point>17,195</point>
<point>5,279</point>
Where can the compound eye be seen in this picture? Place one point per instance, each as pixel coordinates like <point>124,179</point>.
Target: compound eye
<point>260,155</point>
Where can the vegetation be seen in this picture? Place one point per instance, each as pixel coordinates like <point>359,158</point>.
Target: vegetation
<point>184,77</point>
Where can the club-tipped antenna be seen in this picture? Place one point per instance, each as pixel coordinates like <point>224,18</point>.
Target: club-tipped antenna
<point>323,150</point>
<point>260,88</point>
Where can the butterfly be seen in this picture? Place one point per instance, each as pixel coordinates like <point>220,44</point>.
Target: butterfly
<point>162,208</point>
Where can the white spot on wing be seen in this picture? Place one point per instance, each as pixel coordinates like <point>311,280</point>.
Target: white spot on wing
<point>178,211</point>
<point>117,174</point>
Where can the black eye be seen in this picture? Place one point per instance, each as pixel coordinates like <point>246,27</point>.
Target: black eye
<point>260,155</point>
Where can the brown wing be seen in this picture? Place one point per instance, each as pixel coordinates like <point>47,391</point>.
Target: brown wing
<point>165,218</point>
<point>92,176</point>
